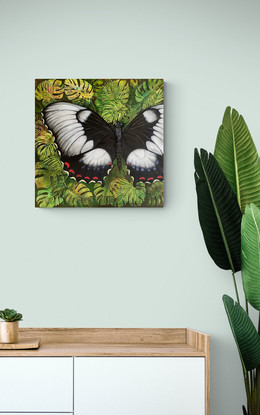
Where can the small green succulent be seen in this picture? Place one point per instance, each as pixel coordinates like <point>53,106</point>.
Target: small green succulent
<point>10,315</point>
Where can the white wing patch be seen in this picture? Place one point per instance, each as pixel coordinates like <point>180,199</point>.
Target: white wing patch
<point>150,116</point>
<point>147,158</point>
<point>96,158</point>
<point>75,147</point>
<point>83,115</point>
<point>141,159</point>
<point>88,146</point>
<point>153,147</point>
<point>159,144</point>
<point>157,136</point>
<point>61,119</point>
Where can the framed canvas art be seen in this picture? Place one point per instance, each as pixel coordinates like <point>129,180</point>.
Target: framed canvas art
<point>99,143</point>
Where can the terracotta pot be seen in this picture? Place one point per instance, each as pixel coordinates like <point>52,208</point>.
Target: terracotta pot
<point>9,331</point>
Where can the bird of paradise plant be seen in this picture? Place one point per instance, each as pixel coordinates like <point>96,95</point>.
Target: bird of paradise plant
<point>228,195</point>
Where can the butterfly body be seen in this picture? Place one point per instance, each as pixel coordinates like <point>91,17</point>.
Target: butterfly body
<point>89,146</point>
<point>118,133</point>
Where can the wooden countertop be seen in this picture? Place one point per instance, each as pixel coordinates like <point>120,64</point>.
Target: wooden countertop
<point>84,349</point>
<point>113,342</point>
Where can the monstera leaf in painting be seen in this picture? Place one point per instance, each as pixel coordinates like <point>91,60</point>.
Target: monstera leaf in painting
<point>149,93</point>
<point>119,190</point>
<point>44,145</point>
<point>49,174</point>
<point>78,194</point>
<point>49,91</point>
<point>131,195</point>
<point>46,199</point>
<point>112,99</point>
<point>154,194</point>
<point>78,91</point>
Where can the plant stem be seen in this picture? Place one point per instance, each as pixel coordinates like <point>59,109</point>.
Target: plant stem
<point>257,390</point>
<point>235,285</point>
<point>258,379</point>
<point>251,387</point>
<point>248,395</point>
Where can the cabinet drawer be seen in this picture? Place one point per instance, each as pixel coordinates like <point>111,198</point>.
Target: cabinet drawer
<point>139,385</point>
<point>36,384</point>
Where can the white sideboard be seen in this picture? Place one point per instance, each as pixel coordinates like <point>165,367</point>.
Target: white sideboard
<point>107,371</point>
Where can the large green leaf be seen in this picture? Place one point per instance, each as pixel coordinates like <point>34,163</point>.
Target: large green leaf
<point>46,199</point>
<point>154,194</point>
<point>112,100</point>
<point>48,91</point>
<point>44,145</point>
<point>219,213</point>
<point>237,156</point>
<point>149,93</point>
<point>131,195</point>
<point>78,91</point>
<point>49,172</point>
<point>78,194</point>
<point>244,332</point>
<point>250,255</point>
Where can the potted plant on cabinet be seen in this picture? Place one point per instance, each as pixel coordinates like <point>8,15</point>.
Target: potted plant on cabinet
<point>10,326</point>
<point>228,194</point>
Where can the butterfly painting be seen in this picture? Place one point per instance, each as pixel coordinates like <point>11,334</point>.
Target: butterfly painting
<point>99,143</point>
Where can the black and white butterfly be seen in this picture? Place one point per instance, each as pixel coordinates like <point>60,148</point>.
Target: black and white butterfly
<point>89,145</point>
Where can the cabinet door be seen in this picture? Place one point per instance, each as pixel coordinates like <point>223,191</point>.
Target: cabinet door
<point>36,384</point>
<point>139,385</point>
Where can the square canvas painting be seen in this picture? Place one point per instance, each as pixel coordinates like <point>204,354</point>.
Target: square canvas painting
<point>99,143</point>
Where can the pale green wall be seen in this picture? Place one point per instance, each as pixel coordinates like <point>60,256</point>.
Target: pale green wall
<point>133,267</point>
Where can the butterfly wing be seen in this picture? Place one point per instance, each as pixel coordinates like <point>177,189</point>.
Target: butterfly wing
<point>143,144</point>
<point>85,140</point>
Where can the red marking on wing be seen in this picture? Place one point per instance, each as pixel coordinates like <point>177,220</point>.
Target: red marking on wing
<point>86,177</point>
<point>150,178</point>
<point>109,164</point>
<point>95,178</point>
<point>159,177</point>
<point>67,164</point>
<point>141,178</point>
<point>71,171</point>
<point>79,175</point>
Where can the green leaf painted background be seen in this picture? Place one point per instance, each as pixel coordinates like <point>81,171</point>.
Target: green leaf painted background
<point>115,100</point>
